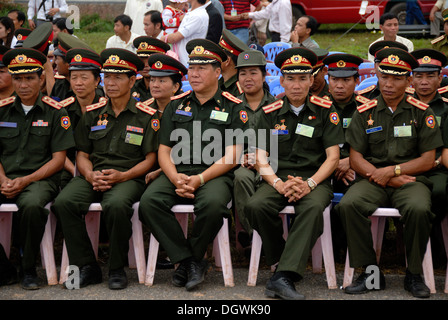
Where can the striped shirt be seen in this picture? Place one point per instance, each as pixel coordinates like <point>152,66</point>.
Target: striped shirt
<point>240,6</point>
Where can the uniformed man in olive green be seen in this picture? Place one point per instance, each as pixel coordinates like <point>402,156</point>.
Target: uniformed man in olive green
<point>84,77</point>
<point>441,43</point>
<point>343,77</point>
<point>116,147</point>
<point>35,133</point>
<point>373,90</point>
<point>232,46</point>
<point>425,82</point>
<point>195,170</point>
<point>145,47</point>
<point>309,131</point>
<point>393,140</point>
<point>320,70</point>
<point>251,67</point>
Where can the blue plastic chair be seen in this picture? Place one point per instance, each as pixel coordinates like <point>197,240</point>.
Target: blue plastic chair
<point>275,88</point>
<point>272,69</point>
<point>367,83</point>
<point>367,65</point>
<point>269,79</point>
<point>271,49</point>
<point>186,86</point>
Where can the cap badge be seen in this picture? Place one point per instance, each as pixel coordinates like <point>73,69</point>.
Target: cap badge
<point>296,59</point>
<point>143,46</point>
<point>78,58</point>
<point>393,59</point>
<point>341,64</point>
<point>158,65</point>
<point>114,59</point>
<point>246,56</point>
<point>198,50</point>
<point>426,59</point>
<point>21,58</point>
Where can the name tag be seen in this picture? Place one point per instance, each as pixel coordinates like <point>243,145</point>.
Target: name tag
<point>219,115</point>
<point>233,13</point>
<point>346,122</point>
<point>8,124</point>
<point>184,113</point>
<point>96,128</point>
<point>375,129</point>
<point>133,138</point>
<point>402,131</point>
<point>279,132</point>
<point>304,130</point>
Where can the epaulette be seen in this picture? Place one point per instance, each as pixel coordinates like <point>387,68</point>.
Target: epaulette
<point>51,102</point>
<point>67,101</point>
<point>273,106</point>
<point>6,101</point>
<point>417,103</point>
<point>445,99</point>
<point>145,108</point>
<point>58,76</point>
<point>368,89</point>
<point>321,101</point>
<point>443,89</point>
<point>240,90</point>
<point>148,102</point>
<point>410,90</point>
<point>367,106</point>
<point>231,97</point>
<point>186,93</point>
<point>97,105</point>
<point>361,99</point>
<point>437,39</point>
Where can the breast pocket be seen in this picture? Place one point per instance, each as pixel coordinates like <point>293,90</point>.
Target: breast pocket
<point>9,140</point>
<point>39,140</point>
<point>131,143</point>
<point>406,146</point>
<point>314,143</point>
<point>284,144</point>
<point>377,144</point>
<point>99,140</point>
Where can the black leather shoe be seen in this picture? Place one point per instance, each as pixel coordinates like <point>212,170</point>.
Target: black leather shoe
<point>359,285</point>
<point>90,274</point>
<point>180,276</point>
<point>282,286</point>
<point>164,264</point>
<point>8,275</point>
<point>31,281</point>
<point>415,285</point>
<point>196,273</point>
<point>117,279</point>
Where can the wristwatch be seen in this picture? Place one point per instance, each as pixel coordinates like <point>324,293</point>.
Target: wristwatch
<point>311,183</point>
<point>397,170</point>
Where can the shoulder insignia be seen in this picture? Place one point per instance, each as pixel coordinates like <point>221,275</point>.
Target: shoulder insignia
<point>437,39</point>
<point>97,105</point>
<point>148,102</point>
<point>67,101</point>
<point>321,101</point>
<point>367,106</point>
<point>445,99</point>
<point>240,90</point>
<point>368,89</point>
<point>410,90</point>
<point>443,89</point>
<point>51,102</point>
<point>186,93</point>
<point>6,101</point>
<point>141,106</point>
<point>361,99</point>
<point>273,106</point>
<point>231,97</point>
<point>326,97</point>
<point>417,103</point>
<point>58,76</point>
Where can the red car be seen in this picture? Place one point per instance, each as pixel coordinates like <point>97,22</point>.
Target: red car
<point>327,11</point>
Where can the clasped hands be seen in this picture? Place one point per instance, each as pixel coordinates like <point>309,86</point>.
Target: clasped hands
<point>186,185</point>
<point>103,180</point>
<point>386,177</point>
<point>295,188</point>
<point>11,188</point>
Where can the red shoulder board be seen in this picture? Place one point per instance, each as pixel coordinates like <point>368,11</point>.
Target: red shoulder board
<point>367,106</point>
<point>148,102</point>
<point>443,89</point>
<point>58,76</point>
<point>186,93</point>
<point>410,90</point>
<point>437,39</point>
<point>6,101</point>
<point>240,90</point>
<point>97,105</point>
<point>321,101</point>
<point>145,108</point>
<point>361,99</point>
<point>417,103</point>
<point>368,89</point>
<point>273,106</point>
<point>445,99</point>
<point>51,102</point>
<point>67,101</point>
<point>231,97</point>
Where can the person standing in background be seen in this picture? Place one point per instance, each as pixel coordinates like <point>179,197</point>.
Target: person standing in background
<point>136,10</point>
<point>40,11</point>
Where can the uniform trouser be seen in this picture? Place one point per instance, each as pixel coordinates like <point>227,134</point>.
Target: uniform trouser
<point>244,186</point>
<point>72,205</point>
<point>262,211</point>
<point>439,194</point>
<point>32,217</point>
<point>413,200</point>
<point>210,206</point>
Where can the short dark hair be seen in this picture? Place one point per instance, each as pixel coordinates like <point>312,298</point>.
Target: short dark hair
<point>311,24</point>
<point>61,23</point>
<point>20,15</point>
<point>387,16</point>
<point>156,17</point>
<point>124,19</point>
<point>202,1</point>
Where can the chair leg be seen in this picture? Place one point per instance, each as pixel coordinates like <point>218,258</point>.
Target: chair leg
<point>136,253</point>
<point>316,255</point>
<point>152,260</point>
<point>64,264</point>
<point>224,253</point>
<point>47,251</point>
<point>327,250</point>
<point>428,270</point>
<point>254,259</point>
<point>445,241</point>
<point>5,231</point>
<point>348,272</point>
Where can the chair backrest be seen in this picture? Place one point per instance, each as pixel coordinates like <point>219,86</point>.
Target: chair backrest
<point>275,88</point>
<point>269,79</point>
<point>367,83</point>
<point>186,86</point>
<point>272,69</point>
<point>271,49</point>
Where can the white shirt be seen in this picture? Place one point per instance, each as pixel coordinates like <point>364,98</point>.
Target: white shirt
<point>193,26</point>
<point>408,43</point>
<point>116,42</point>
<point>279,13</point>
<point>33,5</point>
<point>136,10</point>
